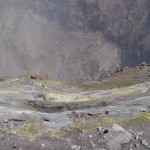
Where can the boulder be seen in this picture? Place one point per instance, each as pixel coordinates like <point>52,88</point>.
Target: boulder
<point>143,64</point>
<point>118,136</point>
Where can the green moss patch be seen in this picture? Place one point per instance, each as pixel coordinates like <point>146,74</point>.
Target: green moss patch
<point>90,124</point>
<point>32,130</point>
<point>37,129</point>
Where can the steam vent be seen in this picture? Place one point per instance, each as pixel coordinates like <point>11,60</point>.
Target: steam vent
<point>74,74</point>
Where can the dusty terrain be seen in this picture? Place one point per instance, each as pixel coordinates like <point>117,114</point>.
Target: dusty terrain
<point>73,39</point>
<point>83,43</point>
<point>38,113</point>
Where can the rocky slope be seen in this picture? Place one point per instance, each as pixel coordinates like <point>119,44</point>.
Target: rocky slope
<point>72,39</point>
<point>38,113</point>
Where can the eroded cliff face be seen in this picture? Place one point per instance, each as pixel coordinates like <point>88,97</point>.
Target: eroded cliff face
<point>122,22</point>
<point>72,39</point>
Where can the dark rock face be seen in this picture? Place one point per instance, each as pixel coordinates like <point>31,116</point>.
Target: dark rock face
<point>124,23</point>
<point>72,39</point>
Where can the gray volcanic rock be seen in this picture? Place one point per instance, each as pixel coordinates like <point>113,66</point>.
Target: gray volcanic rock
<point>124,23</point>
<point>121,137</point>
<point>72,39</point>
<point>41,114</point>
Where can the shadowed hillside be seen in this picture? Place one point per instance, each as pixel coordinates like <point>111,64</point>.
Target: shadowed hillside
<point>86,39</point>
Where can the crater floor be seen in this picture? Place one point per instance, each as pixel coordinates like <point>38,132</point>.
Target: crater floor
<point>38,113</point>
